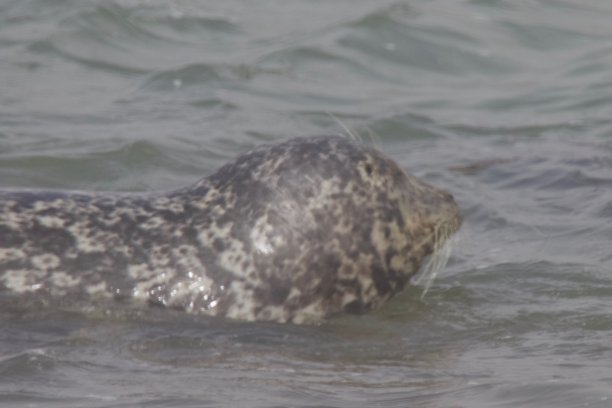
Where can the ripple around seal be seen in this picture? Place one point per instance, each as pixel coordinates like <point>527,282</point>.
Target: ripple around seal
<point>115,164</point>
<point>207,77</point>
<point>113,38</point>
<point>404,41</point>
<point>317,61</point>
<point>88,44</point>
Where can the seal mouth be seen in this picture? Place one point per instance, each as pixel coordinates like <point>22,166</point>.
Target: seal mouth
<point>443,240</point>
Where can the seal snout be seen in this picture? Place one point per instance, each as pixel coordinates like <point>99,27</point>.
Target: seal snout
<point>449,217</point>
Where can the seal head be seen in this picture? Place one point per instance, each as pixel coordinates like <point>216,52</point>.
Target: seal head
<point>290,232</point>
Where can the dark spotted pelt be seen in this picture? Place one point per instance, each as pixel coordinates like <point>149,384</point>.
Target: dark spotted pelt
<point>289,232</point>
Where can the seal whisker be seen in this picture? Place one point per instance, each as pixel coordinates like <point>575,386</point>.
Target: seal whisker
<point>354,135</point>
<point>438,258</point>
<point>374,137</point>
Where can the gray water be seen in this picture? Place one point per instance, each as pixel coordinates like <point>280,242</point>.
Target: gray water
<point>507,104</point>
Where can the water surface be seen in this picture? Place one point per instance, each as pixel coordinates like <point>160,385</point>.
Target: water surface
<point>504,103</point>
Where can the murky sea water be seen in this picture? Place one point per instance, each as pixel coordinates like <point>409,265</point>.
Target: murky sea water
<point>507,104</point>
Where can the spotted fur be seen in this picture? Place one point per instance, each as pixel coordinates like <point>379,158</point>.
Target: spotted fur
<point>290,232</point>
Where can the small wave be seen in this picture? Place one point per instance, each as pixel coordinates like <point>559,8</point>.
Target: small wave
<point>114,38</point>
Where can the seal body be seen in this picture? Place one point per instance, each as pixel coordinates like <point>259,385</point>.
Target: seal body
<point>290,232</point>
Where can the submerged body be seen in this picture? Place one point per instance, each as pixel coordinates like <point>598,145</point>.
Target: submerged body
<point>291,232</point>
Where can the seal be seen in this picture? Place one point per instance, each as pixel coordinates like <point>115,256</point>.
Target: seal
<point>288,232</point>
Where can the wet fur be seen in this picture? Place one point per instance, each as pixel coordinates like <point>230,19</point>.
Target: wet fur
<point>289,232</point>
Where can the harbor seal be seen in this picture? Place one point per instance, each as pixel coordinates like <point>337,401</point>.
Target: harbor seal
<point>288,232</point>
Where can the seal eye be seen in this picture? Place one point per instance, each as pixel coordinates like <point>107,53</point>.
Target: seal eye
<point>366,170</point>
